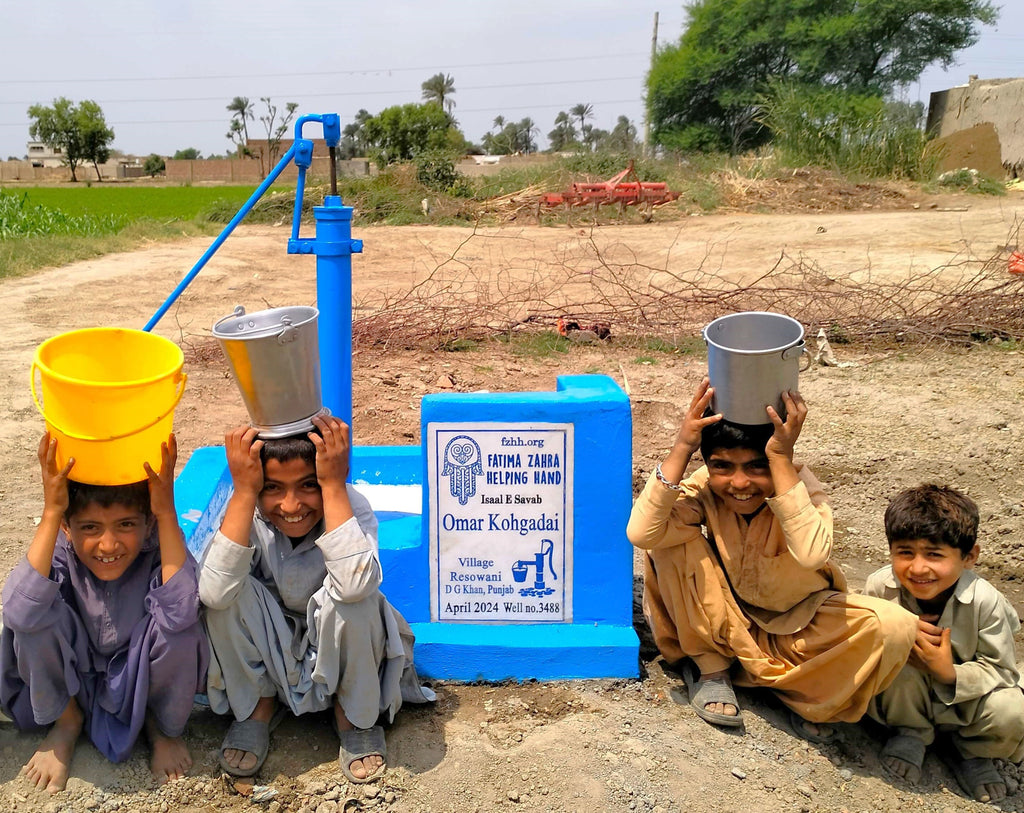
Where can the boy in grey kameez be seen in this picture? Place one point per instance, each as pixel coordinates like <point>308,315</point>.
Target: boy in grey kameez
<point>295,615</point>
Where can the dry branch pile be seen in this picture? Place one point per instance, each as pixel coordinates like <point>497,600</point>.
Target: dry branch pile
<point>964,300</point>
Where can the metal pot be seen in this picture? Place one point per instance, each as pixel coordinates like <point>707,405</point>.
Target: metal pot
<point>275,359</point>
<point>753,357</point>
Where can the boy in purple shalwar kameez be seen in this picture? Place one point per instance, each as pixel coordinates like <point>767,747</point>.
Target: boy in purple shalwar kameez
<point>101,623</point>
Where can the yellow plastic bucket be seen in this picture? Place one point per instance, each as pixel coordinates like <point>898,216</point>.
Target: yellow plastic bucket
<point>108,397</point>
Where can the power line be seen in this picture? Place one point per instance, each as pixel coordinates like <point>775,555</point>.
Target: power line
<point>332,94</point>
<point>363,72</point>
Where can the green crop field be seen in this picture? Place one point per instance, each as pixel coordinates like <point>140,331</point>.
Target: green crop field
<point>134,202</point>
<point>46,226</point>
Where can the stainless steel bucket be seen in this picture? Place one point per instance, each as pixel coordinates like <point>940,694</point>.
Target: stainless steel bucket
<point>753,357</point>
<point>275,359</point>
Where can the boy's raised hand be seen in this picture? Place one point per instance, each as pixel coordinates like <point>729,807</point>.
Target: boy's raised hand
<point>693,422</point>
<point>55,481</point>
<point>161,504</point>
<point>333,445</point>
<point>783,439</point>
<point>243,452</point>
<point>161,483</point>
<point>933,652</point>
<point>55,503</point>
<point>691,427</point>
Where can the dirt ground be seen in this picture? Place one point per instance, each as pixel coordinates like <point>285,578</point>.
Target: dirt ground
<point>890,419</point>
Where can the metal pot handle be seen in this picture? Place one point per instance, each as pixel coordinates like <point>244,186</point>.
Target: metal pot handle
<point>288,334</point>
<point>800,348</point>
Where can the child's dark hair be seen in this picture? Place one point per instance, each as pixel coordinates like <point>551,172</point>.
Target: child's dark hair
<point>942,515</point>
<point>726,435</point>
<point>294,447</point>
<point>132,495</point>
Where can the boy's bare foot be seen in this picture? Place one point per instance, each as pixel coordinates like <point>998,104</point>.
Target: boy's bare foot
<point>246,760</point>
<point>368,765</point>
<point>171,758</point>
<point>49,766</point>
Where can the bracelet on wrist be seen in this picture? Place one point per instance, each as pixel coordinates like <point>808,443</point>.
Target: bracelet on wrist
<point>664,481</point>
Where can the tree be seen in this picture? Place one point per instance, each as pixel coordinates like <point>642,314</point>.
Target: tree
<point>704,92</point>
<point>79,132</point>
<point>439,88</point>
<point>238,131</point>
<point>582,112</point>
<point>622,138</point>
<point>187,154</point>
<point>275,130</point>
<point>516,137</point>
<point>353,137</point>
<point>563,135</point>
<point>402,132</point>
<point>154,165</point>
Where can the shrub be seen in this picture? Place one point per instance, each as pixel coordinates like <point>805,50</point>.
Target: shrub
<point>154,165</point>
<point>851,133</point>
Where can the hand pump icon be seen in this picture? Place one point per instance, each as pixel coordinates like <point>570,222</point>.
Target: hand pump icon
<point>519,569</point>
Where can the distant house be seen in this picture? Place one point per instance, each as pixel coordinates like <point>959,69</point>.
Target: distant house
<point>42,156</point>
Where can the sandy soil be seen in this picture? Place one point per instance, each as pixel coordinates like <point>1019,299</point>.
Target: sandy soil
<point>889,420</point>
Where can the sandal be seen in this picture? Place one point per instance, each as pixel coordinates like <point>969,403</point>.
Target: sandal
<point>977,773</point>
<point>906,749</point>
<point>713,690</point>
<point>252,736</point>
<point>799,726</point>
<point>357,743</point>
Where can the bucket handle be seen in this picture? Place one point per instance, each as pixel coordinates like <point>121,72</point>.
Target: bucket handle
<point>73,436</point>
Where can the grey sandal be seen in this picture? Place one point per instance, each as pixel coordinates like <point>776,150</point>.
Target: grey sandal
<point>357,743</point>
<point>713,690</point>
<point>252,736</point>
<point>974,774</point>
<point>799,726</point>
<point>906,749</point>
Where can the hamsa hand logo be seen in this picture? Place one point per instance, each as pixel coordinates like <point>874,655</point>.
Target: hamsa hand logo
<point>462,464</point>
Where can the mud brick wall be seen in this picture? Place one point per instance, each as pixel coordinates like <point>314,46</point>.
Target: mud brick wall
<point>996,101</point>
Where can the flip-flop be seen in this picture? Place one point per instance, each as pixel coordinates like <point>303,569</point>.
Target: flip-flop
<point>799,726</point>
<point>907,749</point>
<point>974,773</point>
<point>713,690</point>
<point>357,743</point>
<point>252,736</point>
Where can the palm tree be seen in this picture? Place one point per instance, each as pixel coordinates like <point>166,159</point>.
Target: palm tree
<point>241,109</point>
<point>499,122</point>
<point>526,130</point>
<point>564,133</point>
<point>439,88</point>
<point>583,112</point>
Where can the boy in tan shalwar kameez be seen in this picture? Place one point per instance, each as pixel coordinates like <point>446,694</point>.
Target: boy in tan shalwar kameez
<point>738,577</point>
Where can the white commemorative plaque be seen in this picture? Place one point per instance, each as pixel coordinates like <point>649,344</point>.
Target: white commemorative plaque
<point>500,522</point>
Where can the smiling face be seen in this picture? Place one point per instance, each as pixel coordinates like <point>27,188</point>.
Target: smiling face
<point>740,478</point>
<point>929,570</point>
<point>107,539</point>
<point>291,497</point>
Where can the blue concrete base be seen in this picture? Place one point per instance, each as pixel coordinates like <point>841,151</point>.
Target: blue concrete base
<point>472,652</point>
<point>601,642</point>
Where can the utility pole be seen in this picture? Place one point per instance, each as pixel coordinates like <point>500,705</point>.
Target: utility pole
<point>647,115</point>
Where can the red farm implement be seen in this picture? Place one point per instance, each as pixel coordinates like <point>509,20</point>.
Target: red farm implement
<point>618,190</point>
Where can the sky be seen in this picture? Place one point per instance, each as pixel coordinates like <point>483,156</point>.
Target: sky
<point>164,72</point>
